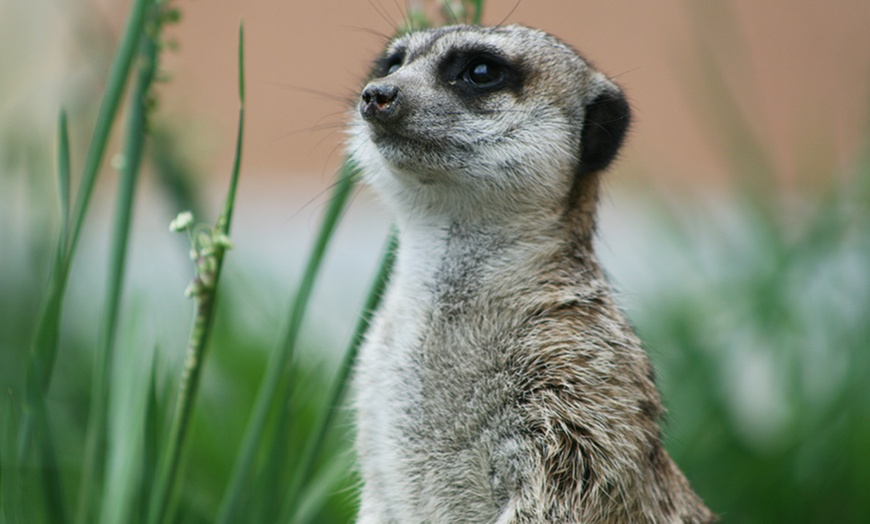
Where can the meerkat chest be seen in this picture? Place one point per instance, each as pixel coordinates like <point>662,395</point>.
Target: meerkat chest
<point>430,320</point>
<point>430,379</point>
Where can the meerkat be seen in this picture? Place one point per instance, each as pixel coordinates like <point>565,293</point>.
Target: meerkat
<point>499,381</point>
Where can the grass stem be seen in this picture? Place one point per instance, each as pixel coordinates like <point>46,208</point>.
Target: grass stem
<point>281,358</point>
<point>205,298</point>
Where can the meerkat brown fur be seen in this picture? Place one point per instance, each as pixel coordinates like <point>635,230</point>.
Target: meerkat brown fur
<point>499,381</point>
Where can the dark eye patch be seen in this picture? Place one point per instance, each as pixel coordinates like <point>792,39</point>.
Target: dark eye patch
<point>388,63</point>
<point>477,71</point>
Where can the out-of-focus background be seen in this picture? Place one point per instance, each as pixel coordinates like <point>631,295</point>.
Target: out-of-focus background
<point>736,223</point>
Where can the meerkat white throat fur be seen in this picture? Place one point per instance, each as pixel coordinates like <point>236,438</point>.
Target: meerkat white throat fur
<point>499,382</point>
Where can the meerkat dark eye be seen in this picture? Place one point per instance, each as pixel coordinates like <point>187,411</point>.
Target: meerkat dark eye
<point>478,72</point>
<point>484,73</point>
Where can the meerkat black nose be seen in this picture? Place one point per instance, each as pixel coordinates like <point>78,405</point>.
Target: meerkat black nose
<point>379,101</point>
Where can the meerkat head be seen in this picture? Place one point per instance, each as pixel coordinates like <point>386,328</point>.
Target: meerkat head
<point>476,121</point>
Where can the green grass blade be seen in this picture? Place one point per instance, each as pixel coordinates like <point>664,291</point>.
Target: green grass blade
<point>167,473</point>
<point>226,217</point>
<point>477,16</point>
<point>35,428</point>
<point>45,340</point>
<point>11,477</point>
<point>63,173</point>
<point>242,63</point>
<point>36,420</point>
<point>126,428</point>
<point>95,442</point>
<point>315,442</point>
<point>151,441</point>
<point>281,358</point>
<point>118,74</point>
<point>319,487</point>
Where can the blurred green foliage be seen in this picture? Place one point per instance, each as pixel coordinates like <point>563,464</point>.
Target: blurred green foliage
<point>762,347</point>
<point>757,324</point>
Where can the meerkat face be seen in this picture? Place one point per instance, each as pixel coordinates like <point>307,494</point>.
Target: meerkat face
<point>471,116</point>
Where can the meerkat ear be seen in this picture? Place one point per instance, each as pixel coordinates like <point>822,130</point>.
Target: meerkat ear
<point>604,128</point>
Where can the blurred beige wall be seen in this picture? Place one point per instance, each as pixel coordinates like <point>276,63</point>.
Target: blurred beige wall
<point>798,69</point>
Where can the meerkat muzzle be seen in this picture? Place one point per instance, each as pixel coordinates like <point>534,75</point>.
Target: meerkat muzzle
<point>379,101</point>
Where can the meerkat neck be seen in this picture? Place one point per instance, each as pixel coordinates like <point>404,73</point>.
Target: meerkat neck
<point>496,259</point>
<point>428,236</point>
